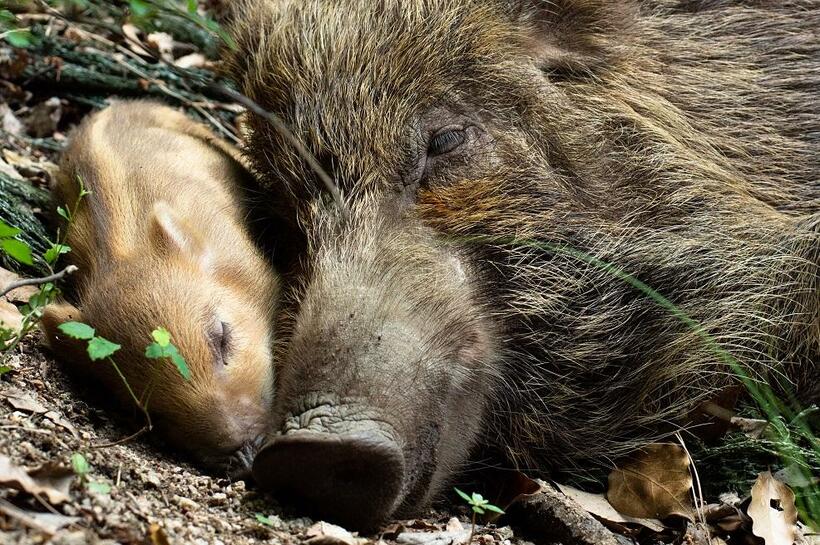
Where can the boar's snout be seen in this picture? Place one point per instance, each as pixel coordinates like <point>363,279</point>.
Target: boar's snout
<point>354,479</point>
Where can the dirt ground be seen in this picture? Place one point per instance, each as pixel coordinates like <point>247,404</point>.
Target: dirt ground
<point>146,486</point>
<point>153,497</point>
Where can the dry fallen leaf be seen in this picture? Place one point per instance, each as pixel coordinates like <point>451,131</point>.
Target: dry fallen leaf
<point>324,533</point>
<point>24,401</point>
<point>597,504</point>
<point>752,427</point>
<point>13,476</point>
<point>10,317</point>
<point>9,170</point>
<point>454,525</point>
<point>772,510</point>
<point>654,482</point>
<point>192,60</point>
<point>48,523</point>
<point>162,43</point>
<point>17,160</point>
<point>8,121</point>
<point>157,535</point>
<point>732,523</point>
<point>62,422</point>
<point>54,476</point>
<point>434,538</point>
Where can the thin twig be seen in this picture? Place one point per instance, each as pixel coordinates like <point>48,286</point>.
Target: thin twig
<point>38,281</point>
<point>282,128</point>
<point>697,492</point>
<point>123,440</point>
<point>161,85</point>
<point>170,92</point>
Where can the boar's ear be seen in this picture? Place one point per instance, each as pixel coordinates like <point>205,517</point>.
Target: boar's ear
<point>576,37</point>
<point>171,233</point>
<point>68,350</point>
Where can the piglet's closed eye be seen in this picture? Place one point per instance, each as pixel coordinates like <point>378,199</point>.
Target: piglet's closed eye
<point>220,340</point>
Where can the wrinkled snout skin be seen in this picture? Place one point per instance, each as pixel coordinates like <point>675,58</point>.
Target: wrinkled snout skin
<point>508,169</point>
<point>381,389</point>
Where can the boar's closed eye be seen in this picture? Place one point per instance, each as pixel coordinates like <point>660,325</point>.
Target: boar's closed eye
<point>446,141</point>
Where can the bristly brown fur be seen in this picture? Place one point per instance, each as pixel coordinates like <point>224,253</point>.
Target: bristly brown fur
<point>160,242</point>
<point>675,140</point>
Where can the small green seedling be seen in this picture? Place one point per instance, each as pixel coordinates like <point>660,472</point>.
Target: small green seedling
<point>81,467</point>
<point>479,506</point>
<point>20,251</point>
<point>98,348</point>
<point>4,368</point>
<point>162,347</point>
<point>265,520</point>
<point>14,36</point>
<point>14,248</point>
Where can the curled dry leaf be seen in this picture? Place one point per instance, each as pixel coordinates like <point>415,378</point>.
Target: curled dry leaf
<point>454,525</point>
<point>13,476</point>
<point>324,533</point>
<point>24,401</point>
<point>62,422</point>
<point>157,535</point>
<point>654,482</point>
<point>162,43</point>
<point>8,121</point>
<point>10,317</point>
<point>48,523</point>
<point>752,427</point>
<point>192,60</point>
<point>774,516</point>
<point>597,505</point>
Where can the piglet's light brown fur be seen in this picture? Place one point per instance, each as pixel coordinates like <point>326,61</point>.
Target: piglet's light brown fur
<point>160,242</point>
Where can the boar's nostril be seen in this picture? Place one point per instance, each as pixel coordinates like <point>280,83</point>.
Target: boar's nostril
<point>354,480</point>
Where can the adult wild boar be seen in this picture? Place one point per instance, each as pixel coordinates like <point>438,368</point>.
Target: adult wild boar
<point>504,164</point>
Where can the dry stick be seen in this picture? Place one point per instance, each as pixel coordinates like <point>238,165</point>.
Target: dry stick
<point>121,441</point>
<point>697,492</point>
<point>125,51</point>
<point>285,132</point>
<point>38,281</point>
<point>170,92</point>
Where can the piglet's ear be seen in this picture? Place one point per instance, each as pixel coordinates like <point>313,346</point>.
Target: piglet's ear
<point>577,37</point>
<point>172,233</point>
